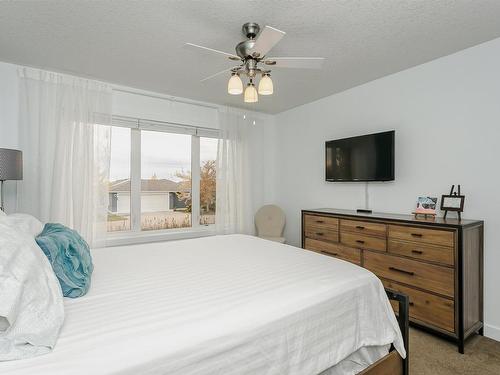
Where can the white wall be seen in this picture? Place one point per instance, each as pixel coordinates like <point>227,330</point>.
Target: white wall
<point>446,114</point>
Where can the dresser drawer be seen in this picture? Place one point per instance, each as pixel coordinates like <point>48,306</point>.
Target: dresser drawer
<point>321,221</point>
<point>322,233</point>
<point>425,307</point>
<point>422,235</point>
<point>361,241</point>
<point>336,250</point>
<point>431,277</point>
<point>363,227</point>
<point>424,251</point>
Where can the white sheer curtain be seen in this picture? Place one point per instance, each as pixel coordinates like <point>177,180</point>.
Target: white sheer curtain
<point>64,126</point>
<point>234,196</point>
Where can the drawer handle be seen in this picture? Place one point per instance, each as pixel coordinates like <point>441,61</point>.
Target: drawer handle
<point>360,241</point>
<point>327,252</point>
<point>417,235</point>
<point>320,234</point>
<point>411,303</point>
<point>360,227</point>
<point>420,252</point>
<point>402,271</point>
<point>320,221</point>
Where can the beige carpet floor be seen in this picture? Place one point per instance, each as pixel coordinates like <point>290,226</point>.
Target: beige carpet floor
<point>431,355</point>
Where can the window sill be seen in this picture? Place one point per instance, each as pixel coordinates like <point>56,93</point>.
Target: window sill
<point>131,238</point>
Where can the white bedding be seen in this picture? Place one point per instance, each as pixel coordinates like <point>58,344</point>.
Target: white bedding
<point>31,302</point>
<point>218,305</point>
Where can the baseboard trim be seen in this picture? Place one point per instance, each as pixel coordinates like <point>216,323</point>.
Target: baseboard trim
<point>492,332</point>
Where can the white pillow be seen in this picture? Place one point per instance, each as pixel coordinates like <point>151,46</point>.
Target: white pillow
<point>23,222</point>
<point>31,303</point>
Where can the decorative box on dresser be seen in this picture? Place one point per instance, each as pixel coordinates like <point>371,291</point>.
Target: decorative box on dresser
<point>438,263</point>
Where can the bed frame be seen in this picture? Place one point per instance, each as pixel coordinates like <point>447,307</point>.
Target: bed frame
<point>392,363</point>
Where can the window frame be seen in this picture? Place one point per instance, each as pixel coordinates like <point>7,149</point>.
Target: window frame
<point>135,234</point>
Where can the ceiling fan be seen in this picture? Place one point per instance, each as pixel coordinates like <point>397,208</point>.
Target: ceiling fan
<point>253,61</point>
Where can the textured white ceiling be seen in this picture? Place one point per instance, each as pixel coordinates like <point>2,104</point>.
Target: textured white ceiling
<point>140,43</point>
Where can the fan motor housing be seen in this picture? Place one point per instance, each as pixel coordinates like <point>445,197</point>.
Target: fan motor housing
<point>243,48</point>
<point>250,29</point>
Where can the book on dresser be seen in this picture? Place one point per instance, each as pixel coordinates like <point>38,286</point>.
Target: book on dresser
<point>438,263</point>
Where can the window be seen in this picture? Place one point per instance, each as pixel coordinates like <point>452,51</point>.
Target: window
<point>208,157</point>
<point>165,180</point>
<point>119,181</point>
<point>162,176</point>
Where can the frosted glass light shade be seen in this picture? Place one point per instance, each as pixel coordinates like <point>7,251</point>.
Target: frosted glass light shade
<point>266,85</point>
<point>235,85</point>
<point>251,94</point>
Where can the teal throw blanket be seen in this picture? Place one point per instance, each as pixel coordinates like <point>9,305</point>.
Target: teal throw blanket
<point>69,256</point>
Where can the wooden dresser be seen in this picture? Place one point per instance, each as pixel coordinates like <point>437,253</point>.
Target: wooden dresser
<point>438,263</point>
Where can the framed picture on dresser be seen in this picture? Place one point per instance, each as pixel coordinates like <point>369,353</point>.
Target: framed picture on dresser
<point>453,202</point>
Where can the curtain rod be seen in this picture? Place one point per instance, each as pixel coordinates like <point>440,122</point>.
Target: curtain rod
<point>138,120</point>
<point>164,97</point>
<point>174,99</point>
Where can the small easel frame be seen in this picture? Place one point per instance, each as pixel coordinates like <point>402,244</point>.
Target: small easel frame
<point>455,197</point>
<point>428,212</point>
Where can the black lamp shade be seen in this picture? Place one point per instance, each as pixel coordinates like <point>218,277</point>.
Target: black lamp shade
<point>11,164</point>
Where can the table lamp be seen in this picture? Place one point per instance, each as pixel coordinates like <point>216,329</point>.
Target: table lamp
<point>11,168</point>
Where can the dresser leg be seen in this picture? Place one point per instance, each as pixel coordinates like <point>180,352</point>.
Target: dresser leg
<point>461,347</point>
<point>481,331</point>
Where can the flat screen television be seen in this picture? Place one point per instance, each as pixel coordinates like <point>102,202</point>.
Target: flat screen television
<point>364,158</point>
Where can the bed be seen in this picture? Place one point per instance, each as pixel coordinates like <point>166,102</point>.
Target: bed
<point>230,304</point>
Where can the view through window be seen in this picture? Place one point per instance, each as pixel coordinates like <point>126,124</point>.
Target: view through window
<point>119,176</point>
<point>208,157</point>
<point>164,199</point>
<point>165,180</point>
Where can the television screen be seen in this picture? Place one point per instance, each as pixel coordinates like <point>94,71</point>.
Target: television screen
<point>364,158</point>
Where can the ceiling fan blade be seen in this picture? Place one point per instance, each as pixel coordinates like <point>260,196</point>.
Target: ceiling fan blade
<point>230,55</point>
<point>217,74</point>
<point>295,62</point>
<point>266,40</point>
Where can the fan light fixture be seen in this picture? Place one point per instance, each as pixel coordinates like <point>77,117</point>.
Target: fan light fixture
<point>235,85</point>
<point>251,93</point>
<point>252,56</point>
<point>266,85</point>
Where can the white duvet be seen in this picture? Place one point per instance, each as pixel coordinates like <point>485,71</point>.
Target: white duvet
<point>31,301</point>
<point>218,305</point>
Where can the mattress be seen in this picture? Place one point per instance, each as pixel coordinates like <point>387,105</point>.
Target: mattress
<point>219,305</point>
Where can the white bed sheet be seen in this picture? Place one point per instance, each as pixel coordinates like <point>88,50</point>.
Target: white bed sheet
<point>218,305</point>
